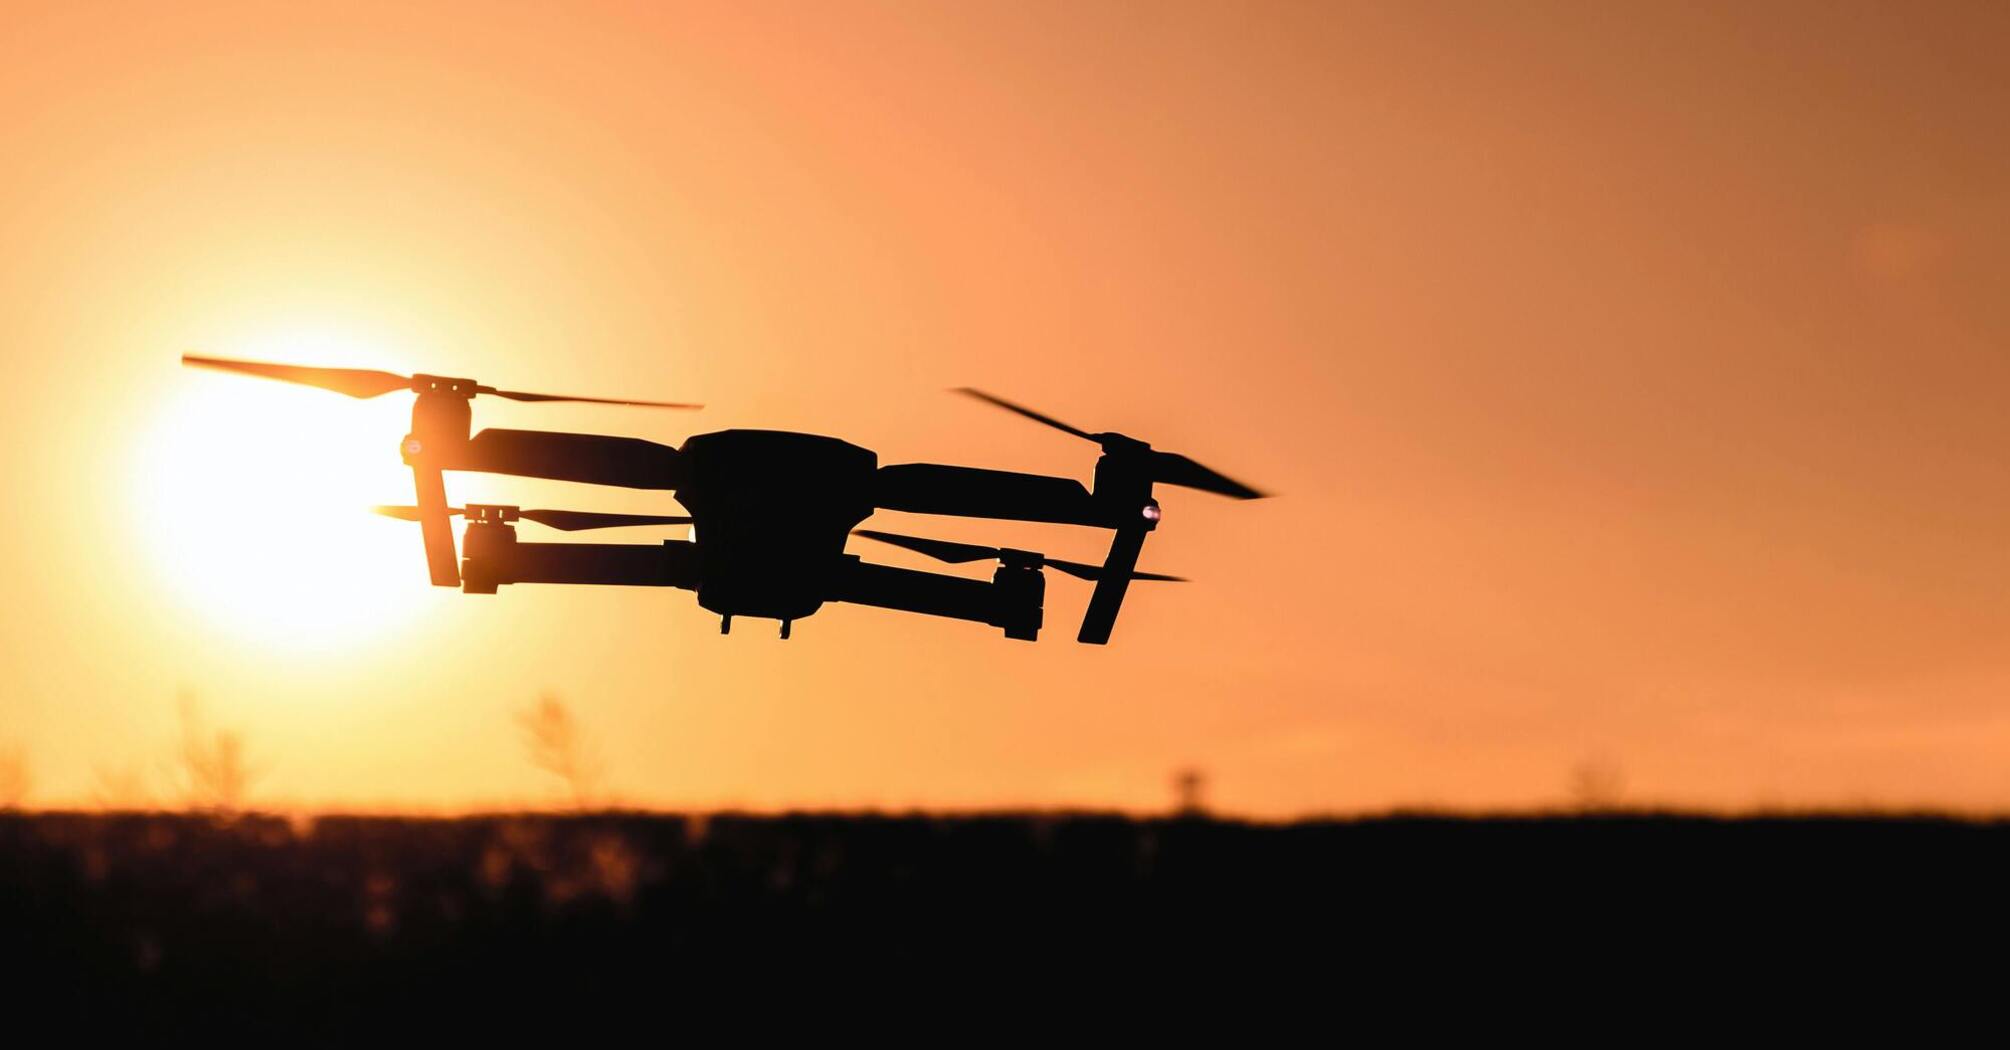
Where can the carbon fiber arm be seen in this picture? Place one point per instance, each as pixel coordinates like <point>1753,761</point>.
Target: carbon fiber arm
<point>974,492</point>
<point>595,459</point>
<point>1015,609</point>
<point>673,563</point>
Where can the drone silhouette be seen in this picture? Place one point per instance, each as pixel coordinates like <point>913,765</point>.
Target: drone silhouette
<point>770,510</point>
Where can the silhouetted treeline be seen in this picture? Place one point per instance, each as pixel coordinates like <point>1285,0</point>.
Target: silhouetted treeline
<point>316,933</point>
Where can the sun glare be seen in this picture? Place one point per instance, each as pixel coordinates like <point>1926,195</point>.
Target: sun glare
<point>256,498</point>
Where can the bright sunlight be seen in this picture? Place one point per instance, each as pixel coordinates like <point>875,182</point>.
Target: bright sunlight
<point>257,498</point>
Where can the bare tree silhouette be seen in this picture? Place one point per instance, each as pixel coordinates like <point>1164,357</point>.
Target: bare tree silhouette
<point>16,779</point>
<point>1190,792</point>
<point>1597,785</point>
<point>556,744</point>
<point>215,772</point>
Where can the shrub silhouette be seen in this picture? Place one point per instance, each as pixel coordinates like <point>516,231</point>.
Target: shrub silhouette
<point>216,774</point>
<point>16,779</point>
<point>1597,785</point>
<point>556,744</point>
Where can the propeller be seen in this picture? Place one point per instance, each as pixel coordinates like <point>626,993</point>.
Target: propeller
<point>566,520</point>
<point>1168,467</point>
<point>364,382</point>
<point>946,550</point>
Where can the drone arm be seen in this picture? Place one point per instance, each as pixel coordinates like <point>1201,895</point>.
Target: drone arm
<point>910,590</point>
<point>595,459</point>
<point>673,563</point>
<point>933,594</point>
<point>439,424</point>
<point>435,530</point>
<point>1115,579</point>
<point>974,492</point>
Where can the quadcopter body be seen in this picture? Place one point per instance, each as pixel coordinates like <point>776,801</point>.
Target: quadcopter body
<point>770,511</point>
<point>773,510</point>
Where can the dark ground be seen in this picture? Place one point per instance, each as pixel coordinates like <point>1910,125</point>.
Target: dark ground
<point>164,922</point>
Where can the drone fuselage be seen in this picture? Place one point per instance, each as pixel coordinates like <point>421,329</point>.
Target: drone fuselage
<point>770,511</point>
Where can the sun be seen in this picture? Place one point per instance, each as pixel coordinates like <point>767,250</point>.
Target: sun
<point>257,498</point>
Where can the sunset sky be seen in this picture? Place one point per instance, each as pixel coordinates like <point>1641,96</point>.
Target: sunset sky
<point>1634,377</point>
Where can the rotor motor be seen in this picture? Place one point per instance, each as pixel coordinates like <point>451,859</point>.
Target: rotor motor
<point>1021,586</point>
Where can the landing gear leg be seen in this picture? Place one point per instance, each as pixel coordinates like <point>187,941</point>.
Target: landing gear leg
<point>785,629</point>
<point>725,625</point>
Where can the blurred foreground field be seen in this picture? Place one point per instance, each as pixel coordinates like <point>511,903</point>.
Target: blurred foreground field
<point>310,930</point>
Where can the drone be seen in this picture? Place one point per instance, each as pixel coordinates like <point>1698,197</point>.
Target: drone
<point>770,511</point>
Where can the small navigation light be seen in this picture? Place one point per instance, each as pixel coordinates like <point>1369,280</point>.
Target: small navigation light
<point>1151,512</point>
<point>413,446</point>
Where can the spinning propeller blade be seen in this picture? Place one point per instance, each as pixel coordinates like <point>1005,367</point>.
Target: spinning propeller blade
<point>518,395</point>
<point>364,382</point>
<point>1175,469</point>
<point>946,550</point>
<point>355,382</point>
<point>575,520</point>
<point>1036,417</point>
<point>566,520</point>
<point>1166,467</point>
<point>940,550</point>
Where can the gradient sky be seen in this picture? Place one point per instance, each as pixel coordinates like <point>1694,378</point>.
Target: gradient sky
<point>1633,374</point>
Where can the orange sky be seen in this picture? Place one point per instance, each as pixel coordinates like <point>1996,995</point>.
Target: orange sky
<point>1634,376</point>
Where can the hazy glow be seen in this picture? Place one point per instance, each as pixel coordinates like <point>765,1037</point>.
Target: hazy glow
<point>253,497</point>
<point>1633,380</point>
